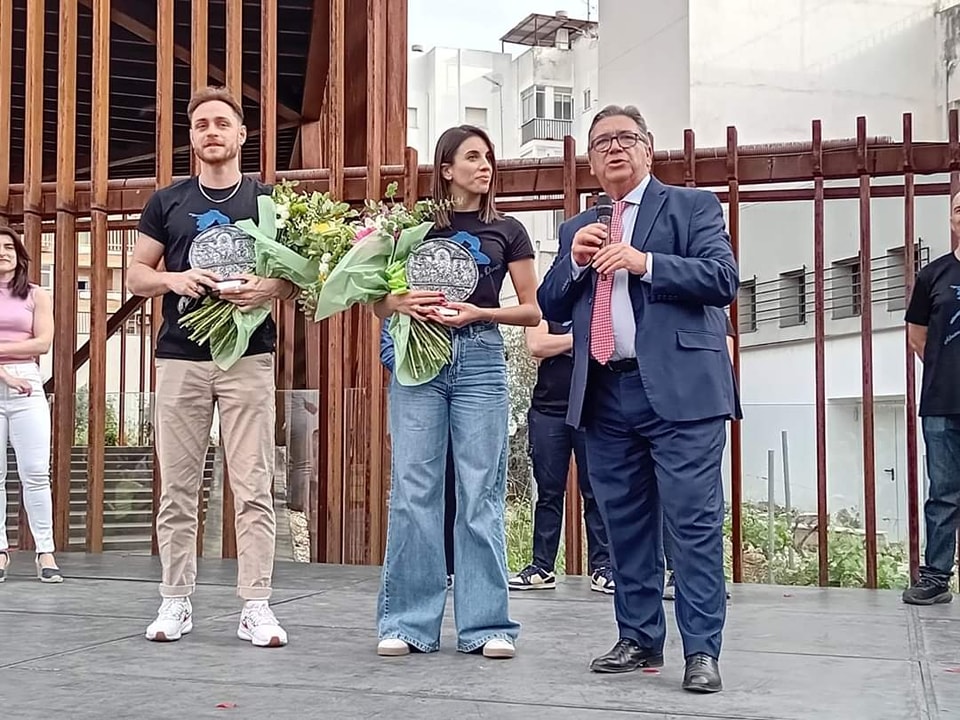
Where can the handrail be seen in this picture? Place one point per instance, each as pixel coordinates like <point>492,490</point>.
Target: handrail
<point>114,323</point>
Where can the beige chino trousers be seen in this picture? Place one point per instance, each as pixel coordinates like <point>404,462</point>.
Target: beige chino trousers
<point>245,396</point>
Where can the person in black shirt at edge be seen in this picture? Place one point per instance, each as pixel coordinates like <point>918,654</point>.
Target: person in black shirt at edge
<point>202,211</point>
<point>551,442</point>
<point>933,331</point>
<point>670,586</point>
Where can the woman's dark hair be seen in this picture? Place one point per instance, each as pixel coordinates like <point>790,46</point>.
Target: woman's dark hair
<point>20,285</point>
<point>446,151</point>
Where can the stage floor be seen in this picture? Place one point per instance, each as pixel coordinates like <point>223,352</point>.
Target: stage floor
<point>77,651</point>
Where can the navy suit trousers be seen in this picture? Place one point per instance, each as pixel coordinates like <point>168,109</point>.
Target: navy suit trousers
<point>641,465</point>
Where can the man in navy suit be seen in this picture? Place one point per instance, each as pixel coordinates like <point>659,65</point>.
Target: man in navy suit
<point>652,386</point>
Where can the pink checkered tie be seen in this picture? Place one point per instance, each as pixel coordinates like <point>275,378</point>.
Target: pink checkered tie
<point>601,324</point>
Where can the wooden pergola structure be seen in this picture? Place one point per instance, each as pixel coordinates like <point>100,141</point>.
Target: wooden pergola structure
<point>92,107</point>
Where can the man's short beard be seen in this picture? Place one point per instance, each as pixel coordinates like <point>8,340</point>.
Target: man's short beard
<point>198,152</point>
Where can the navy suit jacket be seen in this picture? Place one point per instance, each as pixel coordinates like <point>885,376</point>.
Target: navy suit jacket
<point>681,324</point>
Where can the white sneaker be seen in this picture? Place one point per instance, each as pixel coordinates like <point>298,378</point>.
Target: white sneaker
<point>392,647</point>
<point>174,619</point>
<point>259,625</point>
<point>499,648</point>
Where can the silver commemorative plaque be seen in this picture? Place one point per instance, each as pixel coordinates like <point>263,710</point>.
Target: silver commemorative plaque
<point>225,250</point>
<point>440,265</point>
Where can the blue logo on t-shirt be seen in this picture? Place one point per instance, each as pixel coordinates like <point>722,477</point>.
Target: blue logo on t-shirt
<point>953,320</point>
<point>210,218</point>
<point>471,243</point>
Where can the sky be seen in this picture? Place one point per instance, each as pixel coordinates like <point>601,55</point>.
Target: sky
<point>479,24</point>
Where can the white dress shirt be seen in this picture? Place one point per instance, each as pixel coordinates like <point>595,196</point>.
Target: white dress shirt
<point>621,308</point>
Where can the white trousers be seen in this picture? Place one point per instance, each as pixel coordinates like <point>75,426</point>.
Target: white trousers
<point>25,423</point>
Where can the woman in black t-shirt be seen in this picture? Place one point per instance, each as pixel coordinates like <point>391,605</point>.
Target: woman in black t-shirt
<point>467,403</point>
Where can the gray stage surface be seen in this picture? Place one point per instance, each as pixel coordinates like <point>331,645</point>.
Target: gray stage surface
<point>77,651</point>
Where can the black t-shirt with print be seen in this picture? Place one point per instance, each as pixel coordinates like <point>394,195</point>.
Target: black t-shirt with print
<point>936,304</point>
<point>493,245</point>
<point>176,216</point>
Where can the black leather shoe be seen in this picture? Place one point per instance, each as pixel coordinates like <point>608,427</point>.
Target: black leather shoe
<point>626,656</point>
<point>702,674</point>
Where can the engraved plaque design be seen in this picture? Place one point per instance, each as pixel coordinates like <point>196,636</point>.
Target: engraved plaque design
<point>443,266</point>
<point>225,250</point>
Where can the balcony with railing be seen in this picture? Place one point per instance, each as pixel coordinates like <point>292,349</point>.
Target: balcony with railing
<point>545,129</point>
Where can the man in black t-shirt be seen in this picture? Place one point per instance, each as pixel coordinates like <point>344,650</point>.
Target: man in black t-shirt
<point>933,330</point>
<point>551,442</point>
<point>190,227</point>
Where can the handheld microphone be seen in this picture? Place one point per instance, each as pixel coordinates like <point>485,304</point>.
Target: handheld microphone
<point>604,207</point>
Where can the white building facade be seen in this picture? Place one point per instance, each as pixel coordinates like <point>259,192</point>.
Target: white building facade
<point>527,103</point>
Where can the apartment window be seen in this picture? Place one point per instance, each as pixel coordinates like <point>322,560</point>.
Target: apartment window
<point>587,100</point>
<point>557,222</point>
<point>545,260</point>
<point>895,276</point>
<point>793,298</point>
<point>475,116</point>
<point>845,288</point>
<point>533,103</point>
<point>562,103</point>
<point>412,119</point>
<point>747,305</point>
<point>137,324</point>
<point>46,277</point>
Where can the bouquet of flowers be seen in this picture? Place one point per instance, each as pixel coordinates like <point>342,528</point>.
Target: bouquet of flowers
<point>375,266</point>
<point>338,258</point>
<point>300,237</point>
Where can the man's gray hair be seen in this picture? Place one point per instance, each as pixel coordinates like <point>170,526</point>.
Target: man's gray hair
<point>629,111</point>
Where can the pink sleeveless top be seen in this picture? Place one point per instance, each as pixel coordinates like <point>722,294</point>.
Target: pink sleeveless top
<point>16,321</point>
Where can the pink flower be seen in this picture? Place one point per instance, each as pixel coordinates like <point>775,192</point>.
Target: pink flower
<point>362,234</point>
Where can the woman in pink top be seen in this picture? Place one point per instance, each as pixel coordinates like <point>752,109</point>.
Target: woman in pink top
<point>26,331</point>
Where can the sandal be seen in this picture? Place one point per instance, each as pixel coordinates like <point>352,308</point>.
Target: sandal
<point>48,574</point>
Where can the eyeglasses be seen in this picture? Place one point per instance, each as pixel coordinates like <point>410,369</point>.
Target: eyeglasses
<point>625,140</point>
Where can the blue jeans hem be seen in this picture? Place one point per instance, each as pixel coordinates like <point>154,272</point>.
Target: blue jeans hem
<point>477,644</point>
<point>422,647</point>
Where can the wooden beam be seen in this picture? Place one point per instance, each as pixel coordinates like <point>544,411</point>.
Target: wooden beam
<point>268,91</point>
<point>331,435</point>
<point>150,153</point>
<point>145,32</point>
<point>164,41</point>
<point>370,327</point>
<point>65,271</point>
<point>234,31</point>
<point>33,136</point>
<point>396,82</point>
<point>234,53</point>
<point>318,62</point>
<point>199,66</point>
<point>97,384</point>
<point>543,177</point>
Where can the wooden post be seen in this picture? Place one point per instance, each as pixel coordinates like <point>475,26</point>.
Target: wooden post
<point>97,386</point>
<point>65,269</point>
<point>164,175</point>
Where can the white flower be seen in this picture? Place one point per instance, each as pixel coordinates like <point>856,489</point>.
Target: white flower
<point>283,214</point>
<point>323,268</point>
<point>326,258</point>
